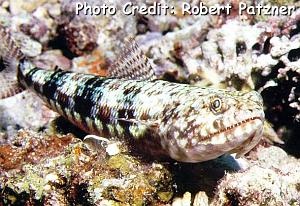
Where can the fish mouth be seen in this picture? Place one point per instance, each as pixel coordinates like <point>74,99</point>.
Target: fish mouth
<point>242,150</point>
<point>238,137</point>
<point>231,127</point>
<point>248,144</point>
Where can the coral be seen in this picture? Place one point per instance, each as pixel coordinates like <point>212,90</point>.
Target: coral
<point>30,150</point>
<point>267,181</point>
<point>200,199</point>
<point>217,56</point>
<point>277,77</point>
<point>79,37</point>
<point>238,52</point>
<point>230,55</point>
<point>185,200</point>
<point>21,6</point>
<point>172,52</point>
<point>83,33</point>
<point>61,170</point>
<point>38,22</point>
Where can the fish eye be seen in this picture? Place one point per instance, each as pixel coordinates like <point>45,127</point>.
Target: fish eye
<point>216,104</point>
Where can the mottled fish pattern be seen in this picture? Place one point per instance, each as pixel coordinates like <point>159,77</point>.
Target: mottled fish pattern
<point>187,123</point>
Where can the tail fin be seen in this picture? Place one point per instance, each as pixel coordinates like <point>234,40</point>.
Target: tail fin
<point>10,55</point>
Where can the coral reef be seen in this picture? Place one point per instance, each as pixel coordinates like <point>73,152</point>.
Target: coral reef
<point>266,181</point>
<point>60,170</point>
<point>38,165</point>
<point>277,78</point>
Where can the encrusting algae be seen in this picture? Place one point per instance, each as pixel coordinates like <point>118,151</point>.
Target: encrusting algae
<point>65,172</point>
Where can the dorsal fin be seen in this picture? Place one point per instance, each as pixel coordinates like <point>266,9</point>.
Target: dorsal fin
<point>10,55</point>
<point>132,64</point>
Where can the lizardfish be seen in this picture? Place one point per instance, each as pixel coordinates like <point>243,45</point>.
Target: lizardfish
<point>185,122</point>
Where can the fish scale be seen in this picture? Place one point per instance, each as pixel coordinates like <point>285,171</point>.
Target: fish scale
<point>88,95</point>
<point>158,118</point>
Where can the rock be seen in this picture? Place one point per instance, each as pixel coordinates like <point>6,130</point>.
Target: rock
<point>59,169</point>
<point>184,201</point>
<point>29,47</point>
<point>21,6</point>
<point>272,178</point>
<point>200,199</point>
<point>52,58</point>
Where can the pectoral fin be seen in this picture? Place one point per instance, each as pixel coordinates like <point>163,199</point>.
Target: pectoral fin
<point>149,124</point>
<point>10,55</point>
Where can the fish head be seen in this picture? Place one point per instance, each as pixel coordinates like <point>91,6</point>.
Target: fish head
<point>217,123</point>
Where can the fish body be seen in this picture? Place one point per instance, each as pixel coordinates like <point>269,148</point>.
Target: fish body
<point>185,122</point>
